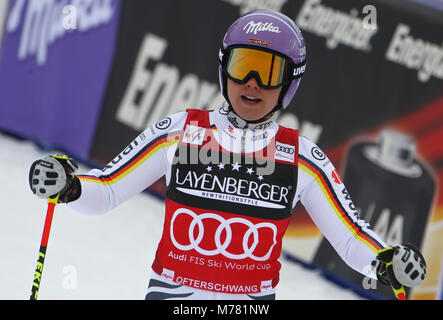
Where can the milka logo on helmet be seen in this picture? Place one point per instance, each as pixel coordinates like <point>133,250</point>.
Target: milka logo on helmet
<point>256,27</point>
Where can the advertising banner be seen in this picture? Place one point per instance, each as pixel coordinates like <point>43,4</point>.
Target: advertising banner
<point>165,62</point>
<point>375,85</point>
<point>54,66</point>
<point>371,98</point>
<point>3,11</point>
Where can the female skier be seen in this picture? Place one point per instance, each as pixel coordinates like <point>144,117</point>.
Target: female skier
<point>233,177</point>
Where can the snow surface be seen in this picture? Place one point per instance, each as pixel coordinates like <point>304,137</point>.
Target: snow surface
<point>99,257</point>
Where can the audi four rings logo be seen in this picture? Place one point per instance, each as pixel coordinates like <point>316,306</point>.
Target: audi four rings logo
<point>285,149</point>
<point>225,224</point>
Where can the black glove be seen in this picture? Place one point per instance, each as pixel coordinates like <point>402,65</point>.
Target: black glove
<point>403,265</point>
<point>55,174</point>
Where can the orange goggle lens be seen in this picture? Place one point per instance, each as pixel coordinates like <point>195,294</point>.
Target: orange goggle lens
<point>268,66</point>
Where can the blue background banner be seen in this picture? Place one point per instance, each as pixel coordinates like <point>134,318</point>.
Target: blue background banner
<point>54,68</point>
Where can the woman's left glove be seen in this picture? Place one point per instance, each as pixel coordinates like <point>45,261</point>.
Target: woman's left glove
<point>398,266</point>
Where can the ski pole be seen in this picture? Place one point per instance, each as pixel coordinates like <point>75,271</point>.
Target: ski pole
<point>52,202</point>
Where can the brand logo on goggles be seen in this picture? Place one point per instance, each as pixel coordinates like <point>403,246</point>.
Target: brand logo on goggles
<point>253,27</point>
<point>299,71</point>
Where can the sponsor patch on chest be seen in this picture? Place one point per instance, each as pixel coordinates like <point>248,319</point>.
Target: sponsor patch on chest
<point>194,135</point>
<point>284,152</point>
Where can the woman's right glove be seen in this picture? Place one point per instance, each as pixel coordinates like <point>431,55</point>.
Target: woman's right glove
<point>55,174</point>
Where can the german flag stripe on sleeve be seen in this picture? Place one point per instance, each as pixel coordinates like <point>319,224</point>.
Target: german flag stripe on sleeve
<point>144,154</point>
<point>310,168</point>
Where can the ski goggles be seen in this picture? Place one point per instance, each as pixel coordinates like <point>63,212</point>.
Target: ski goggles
<point>268,68</point>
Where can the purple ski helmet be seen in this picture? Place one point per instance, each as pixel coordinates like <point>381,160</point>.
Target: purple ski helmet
<point>271,31</point>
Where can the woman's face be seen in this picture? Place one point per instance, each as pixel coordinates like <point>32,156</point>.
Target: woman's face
<point>250,101</point>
